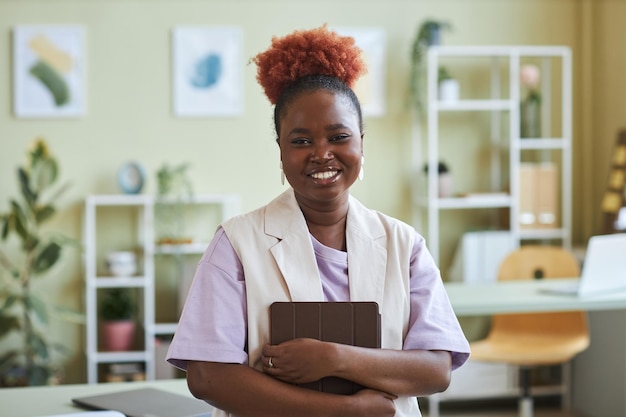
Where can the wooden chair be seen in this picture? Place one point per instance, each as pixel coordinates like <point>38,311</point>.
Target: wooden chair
<point>535,339</point>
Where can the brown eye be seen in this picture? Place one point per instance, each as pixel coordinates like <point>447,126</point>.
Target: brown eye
<point>300,141</point>
<point>337,138</point>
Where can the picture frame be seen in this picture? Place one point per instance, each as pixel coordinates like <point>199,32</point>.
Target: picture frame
<point>48,71</point>
<point>371,87</point>
<point>207,73</point>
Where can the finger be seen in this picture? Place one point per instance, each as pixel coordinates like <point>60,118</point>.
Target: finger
<point>268,350</point>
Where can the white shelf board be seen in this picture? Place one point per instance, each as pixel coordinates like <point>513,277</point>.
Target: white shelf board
<point>528,234</point>
<point>474,105</point>
<point>499,50</point>
<point>123,356</point>
<point>115,282</point>
<point>543,143</point>
<point>165,328</point>
<point>187,248</point>
<point>119,199</point>
<point>474,201</point>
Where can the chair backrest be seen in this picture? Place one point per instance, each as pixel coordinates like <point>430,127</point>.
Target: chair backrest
<point>536,262</point>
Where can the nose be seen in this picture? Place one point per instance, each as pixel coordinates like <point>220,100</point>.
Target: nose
<point>321,153</point>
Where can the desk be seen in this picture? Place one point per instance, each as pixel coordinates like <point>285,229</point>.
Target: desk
<point>599,373</point>
<point>50,400</point>
<point>525,297</point>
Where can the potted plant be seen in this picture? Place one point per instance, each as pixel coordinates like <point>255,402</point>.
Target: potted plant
<point>174,188</point>
<point>428,34</point>
<point>29,253</point>
<point>448,86</point>
<point>444,180</point>
<point>117,309</point>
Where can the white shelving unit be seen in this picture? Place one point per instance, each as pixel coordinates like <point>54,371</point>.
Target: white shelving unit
<point>501,101</point>
<point>506,152</point>
<point>140,211</point>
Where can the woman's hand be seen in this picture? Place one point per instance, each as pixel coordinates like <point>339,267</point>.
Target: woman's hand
<point>299,360</point>
<point>413,373</point>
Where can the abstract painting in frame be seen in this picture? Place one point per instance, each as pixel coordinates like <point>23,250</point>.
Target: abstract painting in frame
<point>370,88</point>
<point>207,71</point>
<point>48,71</point>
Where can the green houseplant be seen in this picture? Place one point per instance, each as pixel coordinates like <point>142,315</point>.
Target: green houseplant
<point>174,188</point>
<point>29,252</point>
<point>428,34</point>
<point>117,308</point>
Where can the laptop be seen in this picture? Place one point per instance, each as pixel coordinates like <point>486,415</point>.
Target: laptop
<point>604,268</point>
<point>146,402</point>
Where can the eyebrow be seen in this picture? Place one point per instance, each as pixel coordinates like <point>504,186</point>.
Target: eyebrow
<point>328,128</point>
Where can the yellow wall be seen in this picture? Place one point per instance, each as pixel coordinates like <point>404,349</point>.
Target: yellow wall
<point>129,100</point>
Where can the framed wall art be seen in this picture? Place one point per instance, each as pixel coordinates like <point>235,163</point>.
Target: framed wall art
<point>207,71</point>
<point>370,88</point>
<point>48,71</point>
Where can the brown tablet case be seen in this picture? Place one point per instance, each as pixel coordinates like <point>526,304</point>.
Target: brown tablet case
<point>350,323</point>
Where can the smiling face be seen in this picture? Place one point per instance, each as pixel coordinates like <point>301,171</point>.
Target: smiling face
<point>321,146</point>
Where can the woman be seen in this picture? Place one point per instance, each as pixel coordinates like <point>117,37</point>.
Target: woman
<point>315,242</point>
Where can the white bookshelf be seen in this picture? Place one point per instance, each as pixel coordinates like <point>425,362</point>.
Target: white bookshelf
<point>506,150</point>
<point>501,102</point>
<point>140,211</point>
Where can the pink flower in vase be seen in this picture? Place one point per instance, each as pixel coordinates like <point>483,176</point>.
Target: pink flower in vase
<point>530,114</point>
<point>529,78</point>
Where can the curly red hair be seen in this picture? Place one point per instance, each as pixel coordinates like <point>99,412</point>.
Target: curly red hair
<point>308,52</point>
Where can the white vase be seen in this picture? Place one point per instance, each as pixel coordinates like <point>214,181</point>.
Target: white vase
<point>446,185</point>
<point>449,90</point>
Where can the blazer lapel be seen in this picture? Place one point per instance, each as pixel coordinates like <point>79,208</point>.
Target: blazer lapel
<point>367,256</point>
<point>293,253</point>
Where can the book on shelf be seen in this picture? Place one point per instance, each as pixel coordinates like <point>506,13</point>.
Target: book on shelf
<point>538,195</point>
<point>125,372</point>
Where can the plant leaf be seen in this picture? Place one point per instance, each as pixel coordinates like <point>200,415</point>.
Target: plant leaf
<point>63,350</point>
<point>8,302</point>
<point>20,220</point>
<point>47,257</point>
<point>68,315</point>
<point>39,346</point>
<point>29,195</point>
<point>8,324</point>
<point>5,226</point>
<point>43,174</point>
<point>43,213</point>
<point>38,307</point>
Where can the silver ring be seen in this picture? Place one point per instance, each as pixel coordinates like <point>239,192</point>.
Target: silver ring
<point>269,363</point>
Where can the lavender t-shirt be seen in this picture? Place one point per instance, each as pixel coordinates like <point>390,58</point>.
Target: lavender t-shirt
<point>213,323</point>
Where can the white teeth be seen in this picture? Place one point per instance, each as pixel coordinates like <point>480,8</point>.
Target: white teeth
<point>324,175</point>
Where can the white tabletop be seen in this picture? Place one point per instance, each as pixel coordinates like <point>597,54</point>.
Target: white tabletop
<point>57,399</point>
<point>525,296</point>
